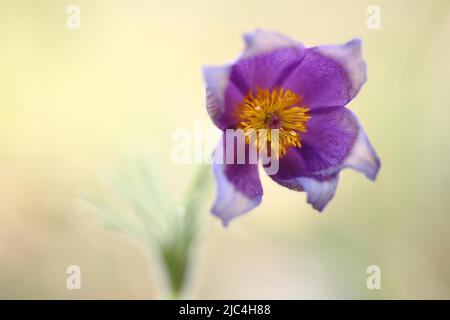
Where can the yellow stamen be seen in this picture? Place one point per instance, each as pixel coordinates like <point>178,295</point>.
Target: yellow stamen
<point>276,109</point>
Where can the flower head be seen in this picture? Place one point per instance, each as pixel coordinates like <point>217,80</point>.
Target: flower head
<point>296,97</point>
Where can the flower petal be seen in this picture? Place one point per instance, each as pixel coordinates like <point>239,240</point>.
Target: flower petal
<point>217,80</point>
<point>239,188</point>
<point>362,157</point>
<point>293,174</point>
<point>262,41</point>
<point>329,75</point>
<point>319,190</point>
<point>349,56</point>
<point>330,137</point>
<point>266,70</point>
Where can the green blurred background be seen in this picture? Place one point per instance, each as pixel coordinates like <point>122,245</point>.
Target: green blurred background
<point>73,101</point>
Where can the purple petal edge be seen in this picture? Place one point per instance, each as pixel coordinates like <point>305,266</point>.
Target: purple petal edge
<point>239,189</point>
<point>362,157</point>
<point>349,56</point>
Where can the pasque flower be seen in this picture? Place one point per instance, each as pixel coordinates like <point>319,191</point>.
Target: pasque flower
<point>277,83</point>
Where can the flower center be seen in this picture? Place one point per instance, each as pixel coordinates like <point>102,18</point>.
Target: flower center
<point>278,113</point>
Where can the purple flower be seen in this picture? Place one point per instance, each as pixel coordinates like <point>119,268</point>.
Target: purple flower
<point>277,83</point>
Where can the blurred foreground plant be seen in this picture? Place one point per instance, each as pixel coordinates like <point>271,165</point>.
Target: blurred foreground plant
<point>139,206</point>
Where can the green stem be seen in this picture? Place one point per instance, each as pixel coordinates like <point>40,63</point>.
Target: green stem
<point>175,260</point>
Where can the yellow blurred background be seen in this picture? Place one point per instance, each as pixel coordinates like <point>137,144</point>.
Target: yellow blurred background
<point>71,101</point>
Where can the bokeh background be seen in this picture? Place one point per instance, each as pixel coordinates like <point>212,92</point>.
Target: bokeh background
<point>71,102</point>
